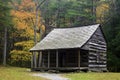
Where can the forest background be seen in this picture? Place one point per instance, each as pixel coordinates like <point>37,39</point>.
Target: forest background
<point>23,23</point>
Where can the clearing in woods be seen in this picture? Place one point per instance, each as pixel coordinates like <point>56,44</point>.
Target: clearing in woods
<point>15,73</point>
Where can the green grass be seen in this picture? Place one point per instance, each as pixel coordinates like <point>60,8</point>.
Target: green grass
<point>14,73</point>
<point>93,76</point>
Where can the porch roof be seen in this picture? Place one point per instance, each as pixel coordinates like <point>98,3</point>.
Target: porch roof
<point>63,38</point>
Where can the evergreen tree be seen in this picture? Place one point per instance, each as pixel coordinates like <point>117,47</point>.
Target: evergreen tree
<point>67,13</point>
<point>112,30</point>
<point>5,23</point>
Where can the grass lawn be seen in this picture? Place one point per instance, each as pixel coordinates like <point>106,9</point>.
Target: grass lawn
<point>93,76</point>
<point>14,73</point>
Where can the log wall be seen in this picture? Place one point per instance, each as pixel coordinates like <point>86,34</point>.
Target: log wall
<point>97,48</point>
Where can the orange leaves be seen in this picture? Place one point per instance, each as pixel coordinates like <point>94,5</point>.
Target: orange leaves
<point>27,5</point>
<point>24,17</point>
<point>22,14</point>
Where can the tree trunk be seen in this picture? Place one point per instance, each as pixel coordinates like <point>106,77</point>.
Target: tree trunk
<point>34,63</point>
<point>5,47</point>
<point>35,38</point>
<point>94,10</point>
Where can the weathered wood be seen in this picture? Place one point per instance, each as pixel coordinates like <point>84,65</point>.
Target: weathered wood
<point>92,57</point>
<point>79,58</point>
<point>92,61</point>
<point>97,48</point>
<point>92,54</point>
<point>98,45</point>
<point>101,51</point>
<point>40,59</point>
<point>48,59</point>
<point>96,65</point>
<point>32,61</point>
<point>56,58</point>
<point>101,42</point>
<point>95,62</point>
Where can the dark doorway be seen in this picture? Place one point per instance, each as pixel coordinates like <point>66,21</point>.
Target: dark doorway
<point>68,58</point>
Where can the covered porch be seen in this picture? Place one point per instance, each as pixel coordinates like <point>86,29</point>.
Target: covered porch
<point>62,59</point>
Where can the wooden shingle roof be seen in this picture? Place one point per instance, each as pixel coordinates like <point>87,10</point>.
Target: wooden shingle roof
<point>63,38</point>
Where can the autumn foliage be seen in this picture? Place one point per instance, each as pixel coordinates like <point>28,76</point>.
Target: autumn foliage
<point>24,19</point>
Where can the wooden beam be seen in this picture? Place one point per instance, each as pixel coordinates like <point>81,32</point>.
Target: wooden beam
<point>40,59</point>
<point>56,58</point>
<point>32,60</point>
<point>79,58</point>
<point>48,59</point>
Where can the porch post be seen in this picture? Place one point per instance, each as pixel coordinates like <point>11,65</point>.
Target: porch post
<point>79,58</point>
<point>40,59</point>
<point>57,58</point>
<point>48,59</point>
<point>32,60</point>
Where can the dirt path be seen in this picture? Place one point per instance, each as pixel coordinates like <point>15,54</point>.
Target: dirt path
<point>51,76</point>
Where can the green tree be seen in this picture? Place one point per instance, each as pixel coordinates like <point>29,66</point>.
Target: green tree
<point>5,22</point>
<point>112,31</point>
<point>67,13</point>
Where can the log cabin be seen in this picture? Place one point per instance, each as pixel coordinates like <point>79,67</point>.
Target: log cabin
<point>79,48</point>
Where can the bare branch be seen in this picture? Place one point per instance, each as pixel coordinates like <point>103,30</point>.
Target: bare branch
<point>39,5</point>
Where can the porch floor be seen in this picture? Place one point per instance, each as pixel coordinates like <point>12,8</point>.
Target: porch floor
<point>61,68</point>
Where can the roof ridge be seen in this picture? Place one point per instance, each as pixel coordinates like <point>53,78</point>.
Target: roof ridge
<point>76,26</point>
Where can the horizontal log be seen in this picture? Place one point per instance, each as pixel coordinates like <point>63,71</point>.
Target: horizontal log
<point>98,69</point>
<point>100,51</point>
<point>91,57</point>
<point>98,48</point>
<point>100,38</point>
<point>95,65</point>
<point>101,42</point>
<point>98,45</point>
<point>94,60</point>
<point>93,54</point>
<point>92,51</point>
<point>98,42</point>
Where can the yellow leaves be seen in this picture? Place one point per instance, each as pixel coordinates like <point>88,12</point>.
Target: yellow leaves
<point>22,21</point>
<point>24,18</point>
<point>22,14</point>
<point>102,8</point>
<point>27,5</point>
<point>24,54</point>
<point>25,44</point>
<point>17,55</point>
<point>100,11</point>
